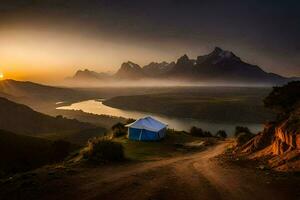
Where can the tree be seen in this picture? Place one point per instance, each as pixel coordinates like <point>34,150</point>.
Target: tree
<point>119,130</point>
<point>221,134</point>
<point>241,129</point>
<point>283,99</point>
<point>198,132</point>
<point>195,131</point>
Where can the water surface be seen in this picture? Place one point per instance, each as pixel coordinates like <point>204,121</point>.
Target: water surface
<point>97,107</point>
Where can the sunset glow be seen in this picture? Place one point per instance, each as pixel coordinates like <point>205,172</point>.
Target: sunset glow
<point>102,37</point>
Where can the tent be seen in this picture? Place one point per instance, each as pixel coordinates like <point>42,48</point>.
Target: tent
<point>146,129</point>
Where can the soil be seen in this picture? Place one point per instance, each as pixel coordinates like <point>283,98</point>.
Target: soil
<point>201,175</point>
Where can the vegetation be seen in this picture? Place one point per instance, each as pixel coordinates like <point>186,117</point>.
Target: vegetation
<point>243,135</point>
<point>167,147</point>
<point>283,99</point>
<point>102,149</point>
<point>243,138</point>
<point>105,121</point>
<point>198,132</point>
<point>221,134</point>
<point>21,153</point>
<point>211,104</point>
<point>241,129</point>
<point>119,129</point>
<point>21,119</point>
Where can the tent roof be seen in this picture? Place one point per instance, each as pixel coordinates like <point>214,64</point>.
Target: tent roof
<point>147,123</point>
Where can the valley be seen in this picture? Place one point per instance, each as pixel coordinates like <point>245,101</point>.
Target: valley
<point>149,100</point>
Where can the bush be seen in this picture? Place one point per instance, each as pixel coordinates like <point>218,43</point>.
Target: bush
<point>129,121</point>
<point>241,129</point>
<point>243,138</point>
<point>221,134</point>
<point>119,130</point>
<point>207,134</point>
<point>282,99</point>
<point>101,150</point>
<point>195,131</point>
<point>198,132</point>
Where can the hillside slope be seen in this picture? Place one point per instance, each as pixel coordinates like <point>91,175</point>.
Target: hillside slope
<point>38,96</point>
<point>279,142</point>
<point>21,119</point>
<point>21,153</point>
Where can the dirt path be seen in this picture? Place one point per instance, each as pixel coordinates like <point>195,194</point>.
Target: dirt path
<point>196,176</point>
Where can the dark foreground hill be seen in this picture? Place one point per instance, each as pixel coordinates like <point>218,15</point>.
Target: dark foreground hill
<point>21,153</point>
<point>22,119</point>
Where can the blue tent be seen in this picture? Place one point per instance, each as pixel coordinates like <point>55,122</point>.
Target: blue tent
<point>146,129</point>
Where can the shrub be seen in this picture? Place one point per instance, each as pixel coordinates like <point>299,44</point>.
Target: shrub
<point>119,130</point>
<point>129,121</point>
<point>282,99</point>
<point>207,134</point>
<point>101,150</point>
<point>243,138</point>
<point>221,134</point>
<point>195,131</point>
<point>198,132</point>
<point>241,129</point>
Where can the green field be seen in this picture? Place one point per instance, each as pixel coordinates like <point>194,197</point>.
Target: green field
<point>212,104</point>
<point>173,144</point>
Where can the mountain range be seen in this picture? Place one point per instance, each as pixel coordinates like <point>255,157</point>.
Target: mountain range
<point>218,66</point>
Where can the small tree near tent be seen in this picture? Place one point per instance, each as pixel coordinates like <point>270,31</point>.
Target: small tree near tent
<point>119,130</point>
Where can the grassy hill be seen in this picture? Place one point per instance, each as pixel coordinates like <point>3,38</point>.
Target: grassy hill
<point>21,153</point>
<point>22,89</point>
<point>41,97</point>
<point>21,119</point>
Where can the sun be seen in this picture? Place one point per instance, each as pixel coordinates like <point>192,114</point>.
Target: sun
<point>1,75</point>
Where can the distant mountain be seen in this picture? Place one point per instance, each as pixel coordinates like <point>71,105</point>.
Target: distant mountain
<point>156,69</point>
<point>130,70</point>
<point>221,65</point>
<point>22,119</point>
<point>218,66</point>
<point>89,75</point>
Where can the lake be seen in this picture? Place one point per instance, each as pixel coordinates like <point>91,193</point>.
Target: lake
<point>97,107</point>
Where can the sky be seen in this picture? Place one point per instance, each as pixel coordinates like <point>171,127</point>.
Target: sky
<point>48,40</point>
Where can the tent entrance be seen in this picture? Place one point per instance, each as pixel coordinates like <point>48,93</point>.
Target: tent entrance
<point>140,137</point>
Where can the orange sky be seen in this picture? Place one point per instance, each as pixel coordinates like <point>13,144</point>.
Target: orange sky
<point>46,41</point>
<point>50,55</point>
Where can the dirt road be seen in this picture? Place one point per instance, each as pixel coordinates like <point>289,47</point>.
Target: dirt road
<point>196,176</point>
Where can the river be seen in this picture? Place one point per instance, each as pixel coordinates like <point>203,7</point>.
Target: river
<point>97,107</point>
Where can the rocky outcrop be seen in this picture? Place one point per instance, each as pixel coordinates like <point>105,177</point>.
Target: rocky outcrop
<point>286,140</point>
<point>279,143</point>
<point>261,140</point>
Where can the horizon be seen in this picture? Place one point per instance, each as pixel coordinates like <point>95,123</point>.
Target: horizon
<point>61,80</point>
<point>47,41</point>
